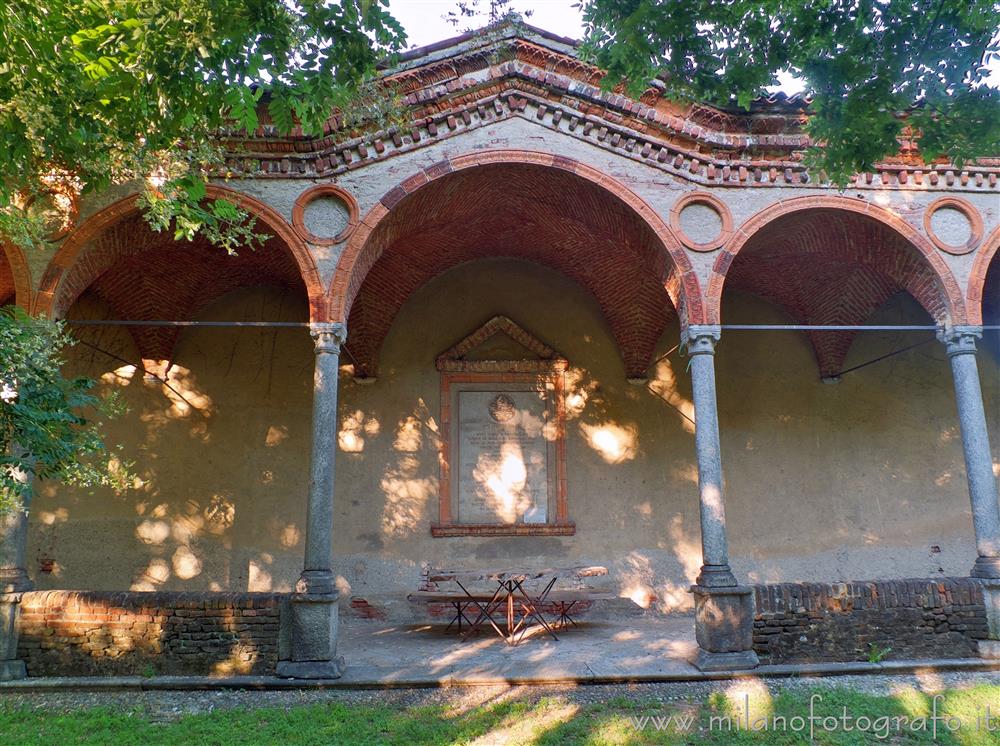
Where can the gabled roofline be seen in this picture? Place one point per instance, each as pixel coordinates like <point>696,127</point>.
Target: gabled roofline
<point>484,36</point>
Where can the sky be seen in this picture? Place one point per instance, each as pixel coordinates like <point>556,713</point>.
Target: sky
<point>424,19</point>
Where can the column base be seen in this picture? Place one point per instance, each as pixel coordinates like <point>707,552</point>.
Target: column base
<point>989,649</point>
<point>313,627</point>
<point>10,667</point>
<point>739,661</point>
<point>716,576</point>
<point>991,600</point>
<point>316,583</point>
<point>986,567</point>
<point>723,626</point>
<point>332,669</point>
<point>12,670</point>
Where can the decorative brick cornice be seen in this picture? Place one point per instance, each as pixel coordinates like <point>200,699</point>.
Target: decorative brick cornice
<point>700,144</point>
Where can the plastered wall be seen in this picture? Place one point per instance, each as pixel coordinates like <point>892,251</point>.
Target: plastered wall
<point>862,479</point>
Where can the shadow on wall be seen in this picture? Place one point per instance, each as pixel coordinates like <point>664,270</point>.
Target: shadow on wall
<point>844,480</point>
<point>220,439</point>
<point>629,447</point>
<point>65,633</point>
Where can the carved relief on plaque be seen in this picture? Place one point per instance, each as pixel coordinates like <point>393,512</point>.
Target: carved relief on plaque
<point>503,450</point>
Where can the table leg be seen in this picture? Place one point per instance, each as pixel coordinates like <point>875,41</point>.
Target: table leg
<point>485,613</point>
<point>530,605</point>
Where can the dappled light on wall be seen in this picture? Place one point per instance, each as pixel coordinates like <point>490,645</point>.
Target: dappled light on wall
<point>686,548</point>
<point>580,391</point>
<point>259,579</point>
<point>642,583</point>
<point>155,574</point>
<point>152,532</point>
<point>275,436</point>
<point>615,443</point>
<point>406,495</point>
<point>179,385</point>
<point>409,481</point>
<point>289,536</point>
<point>220,514</point>
<point>51,517</point>
<point>663,383</point>
<point>408,437</point>
<point>355,428</point>
<point>186,564</point>
<point>501,482</point>
<point>120,376</point>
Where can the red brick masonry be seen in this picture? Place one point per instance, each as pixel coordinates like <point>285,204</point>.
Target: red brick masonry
<point>925,618</point>
<point>82,633</point>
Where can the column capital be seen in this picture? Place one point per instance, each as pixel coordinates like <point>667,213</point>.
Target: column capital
<point>329,336</point>
<point>960,340</point>
<point>700,339</point>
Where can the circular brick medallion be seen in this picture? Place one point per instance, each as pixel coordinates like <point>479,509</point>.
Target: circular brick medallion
<point>701,221</point>
<point>953,225</point>
<point>325,215</point>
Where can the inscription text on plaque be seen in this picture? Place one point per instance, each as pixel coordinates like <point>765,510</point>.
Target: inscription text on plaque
<point>503,474</point>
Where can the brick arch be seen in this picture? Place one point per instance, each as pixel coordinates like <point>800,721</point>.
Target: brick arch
<point>65,279</point>
<point>833,260</point>
<point>15,276</point>
<point>977,279</point>
<point>519,204</point>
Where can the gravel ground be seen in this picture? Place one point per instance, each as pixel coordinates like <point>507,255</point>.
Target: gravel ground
<point>169,705</point>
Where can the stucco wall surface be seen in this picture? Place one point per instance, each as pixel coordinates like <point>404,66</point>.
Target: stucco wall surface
<point>859,479</point>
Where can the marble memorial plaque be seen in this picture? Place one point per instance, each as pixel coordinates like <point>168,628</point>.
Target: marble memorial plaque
<point>503,457</point>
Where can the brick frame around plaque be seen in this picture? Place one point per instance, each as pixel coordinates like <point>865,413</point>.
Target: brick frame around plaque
<point>546,371</point>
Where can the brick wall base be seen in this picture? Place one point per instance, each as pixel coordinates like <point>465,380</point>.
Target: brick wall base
<point>804,622</point>
<point>87,633</point>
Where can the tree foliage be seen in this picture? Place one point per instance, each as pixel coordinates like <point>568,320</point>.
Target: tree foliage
<point>44,429</point>
<point>96,92</point>
<point>865,62</point>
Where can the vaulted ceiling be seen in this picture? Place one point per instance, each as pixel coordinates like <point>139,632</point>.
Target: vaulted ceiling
<point>543,215</point>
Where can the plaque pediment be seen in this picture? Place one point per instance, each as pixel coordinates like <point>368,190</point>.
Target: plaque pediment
<point>499,346</point>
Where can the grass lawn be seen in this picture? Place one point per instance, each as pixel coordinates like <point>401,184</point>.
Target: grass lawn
<point>901,718</point>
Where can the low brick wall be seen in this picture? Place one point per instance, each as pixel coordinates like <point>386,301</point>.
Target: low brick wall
<point>85,633</point>
<point>801,622</point>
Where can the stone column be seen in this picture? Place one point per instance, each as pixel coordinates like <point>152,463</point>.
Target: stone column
<point>314,610</point>
<point>724,609</point>
<point>14,581</point>
<point>960,341</point>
